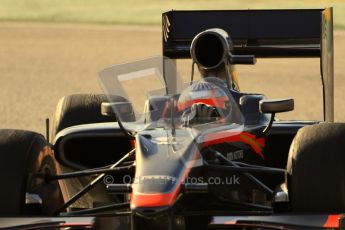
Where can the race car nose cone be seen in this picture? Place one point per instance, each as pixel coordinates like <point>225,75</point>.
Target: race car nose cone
<point>150,212</point>
<point>155,218</point>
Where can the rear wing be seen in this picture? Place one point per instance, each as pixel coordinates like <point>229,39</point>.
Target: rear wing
<point>263,33</point>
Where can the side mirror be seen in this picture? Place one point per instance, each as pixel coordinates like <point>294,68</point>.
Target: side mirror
<point>109,108</point>
<point>276,105</point>
<point>124,109</point>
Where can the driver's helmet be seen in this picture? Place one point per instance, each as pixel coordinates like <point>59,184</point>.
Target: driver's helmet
<point>205,93</point>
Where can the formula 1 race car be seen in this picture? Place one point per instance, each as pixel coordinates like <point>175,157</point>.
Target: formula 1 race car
<point>155,152</point>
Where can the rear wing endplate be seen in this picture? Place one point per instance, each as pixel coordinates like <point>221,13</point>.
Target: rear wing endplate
<point>264,33</point>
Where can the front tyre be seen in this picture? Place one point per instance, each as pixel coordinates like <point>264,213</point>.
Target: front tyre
<point>23,154</point>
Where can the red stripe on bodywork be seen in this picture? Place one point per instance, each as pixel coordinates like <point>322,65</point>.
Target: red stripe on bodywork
<point>230,222</point>
<point>133,143</point>
<point>229,136</point>
<point>218,102</point>
<point>158,199</point>
<point>332,221</point>
<point>154,200</point>
<point>77,224</point>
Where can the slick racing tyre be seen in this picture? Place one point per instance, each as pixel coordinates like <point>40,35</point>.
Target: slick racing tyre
<point>23,154</point>
<point>315,169</point>
<point>79,109</point>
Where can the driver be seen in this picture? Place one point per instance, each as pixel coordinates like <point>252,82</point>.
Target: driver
<point>204,101</point>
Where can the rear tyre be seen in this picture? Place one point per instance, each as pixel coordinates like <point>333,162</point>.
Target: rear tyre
<point>315,169</point>
<point>22,155</point>
<point>79,109</point>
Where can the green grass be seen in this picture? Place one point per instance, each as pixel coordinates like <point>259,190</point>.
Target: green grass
<point>140,11</point>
